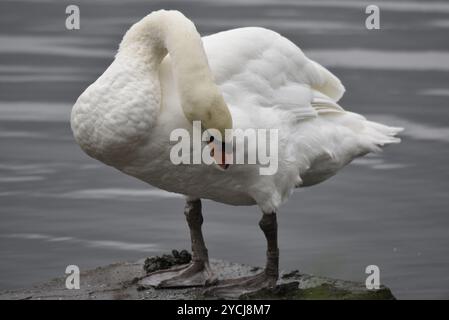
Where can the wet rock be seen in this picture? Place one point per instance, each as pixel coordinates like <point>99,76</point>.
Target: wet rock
<point>121,281</point>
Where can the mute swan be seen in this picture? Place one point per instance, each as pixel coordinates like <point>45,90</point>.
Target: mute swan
<point>165,76</point>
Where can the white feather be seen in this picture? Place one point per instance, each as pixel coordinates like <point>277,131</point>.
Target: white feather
<point>125,118</point>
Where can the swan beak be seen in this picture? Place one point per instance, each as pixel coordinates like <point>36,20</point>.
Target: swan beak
<point>222,159</point>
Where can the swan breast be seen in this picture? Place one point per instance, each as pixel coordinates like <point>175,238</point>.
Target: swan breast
<point>115,114</point>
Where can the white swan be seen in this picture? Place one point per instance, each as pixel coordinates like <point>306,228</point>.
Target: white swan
<point>241,78</point>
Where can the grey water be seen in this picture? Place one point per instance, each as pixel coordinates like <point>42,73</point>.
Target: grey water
<point>59,207</point>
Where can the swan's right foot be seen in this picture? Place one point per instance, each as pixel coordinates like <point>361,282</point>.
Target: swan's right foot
<point>194,274</point>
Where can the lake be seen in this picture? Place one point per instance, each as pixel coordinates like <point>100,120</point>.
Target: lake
<point>60,207</point>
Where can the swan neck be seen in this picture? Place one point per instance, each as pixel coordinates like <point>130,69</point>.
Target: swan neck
<point>162,32</point>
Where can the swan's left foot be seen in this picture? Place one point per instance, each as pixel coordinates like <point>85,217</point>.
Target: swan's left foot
<point>233,288</point>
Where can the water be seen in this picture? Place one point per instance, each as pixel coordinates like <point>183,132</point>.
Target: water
<point>59,207</point>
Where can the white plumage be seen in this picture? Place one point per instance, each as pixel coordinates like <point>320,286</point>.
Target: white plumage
<point>165,76</point>
<point>125,117</point>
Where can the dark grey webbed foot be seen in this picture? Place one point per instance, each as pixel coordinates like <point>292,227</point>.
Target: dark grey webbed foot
<point>233,288</point>
<point>195,274</point>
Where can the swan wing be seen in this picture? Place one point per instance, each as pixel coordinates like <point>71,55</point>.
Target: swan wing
<point>259,67</point>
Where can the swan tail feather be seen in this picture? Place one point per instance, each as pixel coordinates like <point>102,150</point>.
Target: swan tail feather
<point>369,136</point>
<point>381,135</point>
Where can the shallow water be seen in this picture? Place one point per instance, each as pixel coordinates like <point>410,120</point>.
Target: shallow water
<point>59,207</point>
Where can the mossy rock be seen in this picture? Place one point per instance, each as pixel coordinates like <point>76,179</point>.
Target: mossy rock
<point>325,291</point>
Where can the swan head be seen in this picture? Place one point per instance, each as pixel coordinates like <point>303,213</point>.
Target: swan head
<point>211,110</point>
<point>209,107</point>
<point>216,122</point>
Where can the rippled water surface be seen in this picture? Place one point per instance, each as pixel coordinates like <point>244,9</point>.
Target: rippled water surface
<point>59,207</point>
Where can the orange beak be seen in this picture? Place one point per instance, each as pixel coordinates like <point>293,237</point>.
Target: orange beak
<point>222,159</point>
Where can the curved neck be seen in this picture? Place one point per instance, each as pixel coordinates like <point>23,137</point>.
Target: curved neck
<point>162,32</point>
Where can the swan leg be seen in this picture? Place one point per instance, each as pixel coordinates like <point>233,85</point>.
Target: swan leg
<point>198,272</point>
<point>233,288</point>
